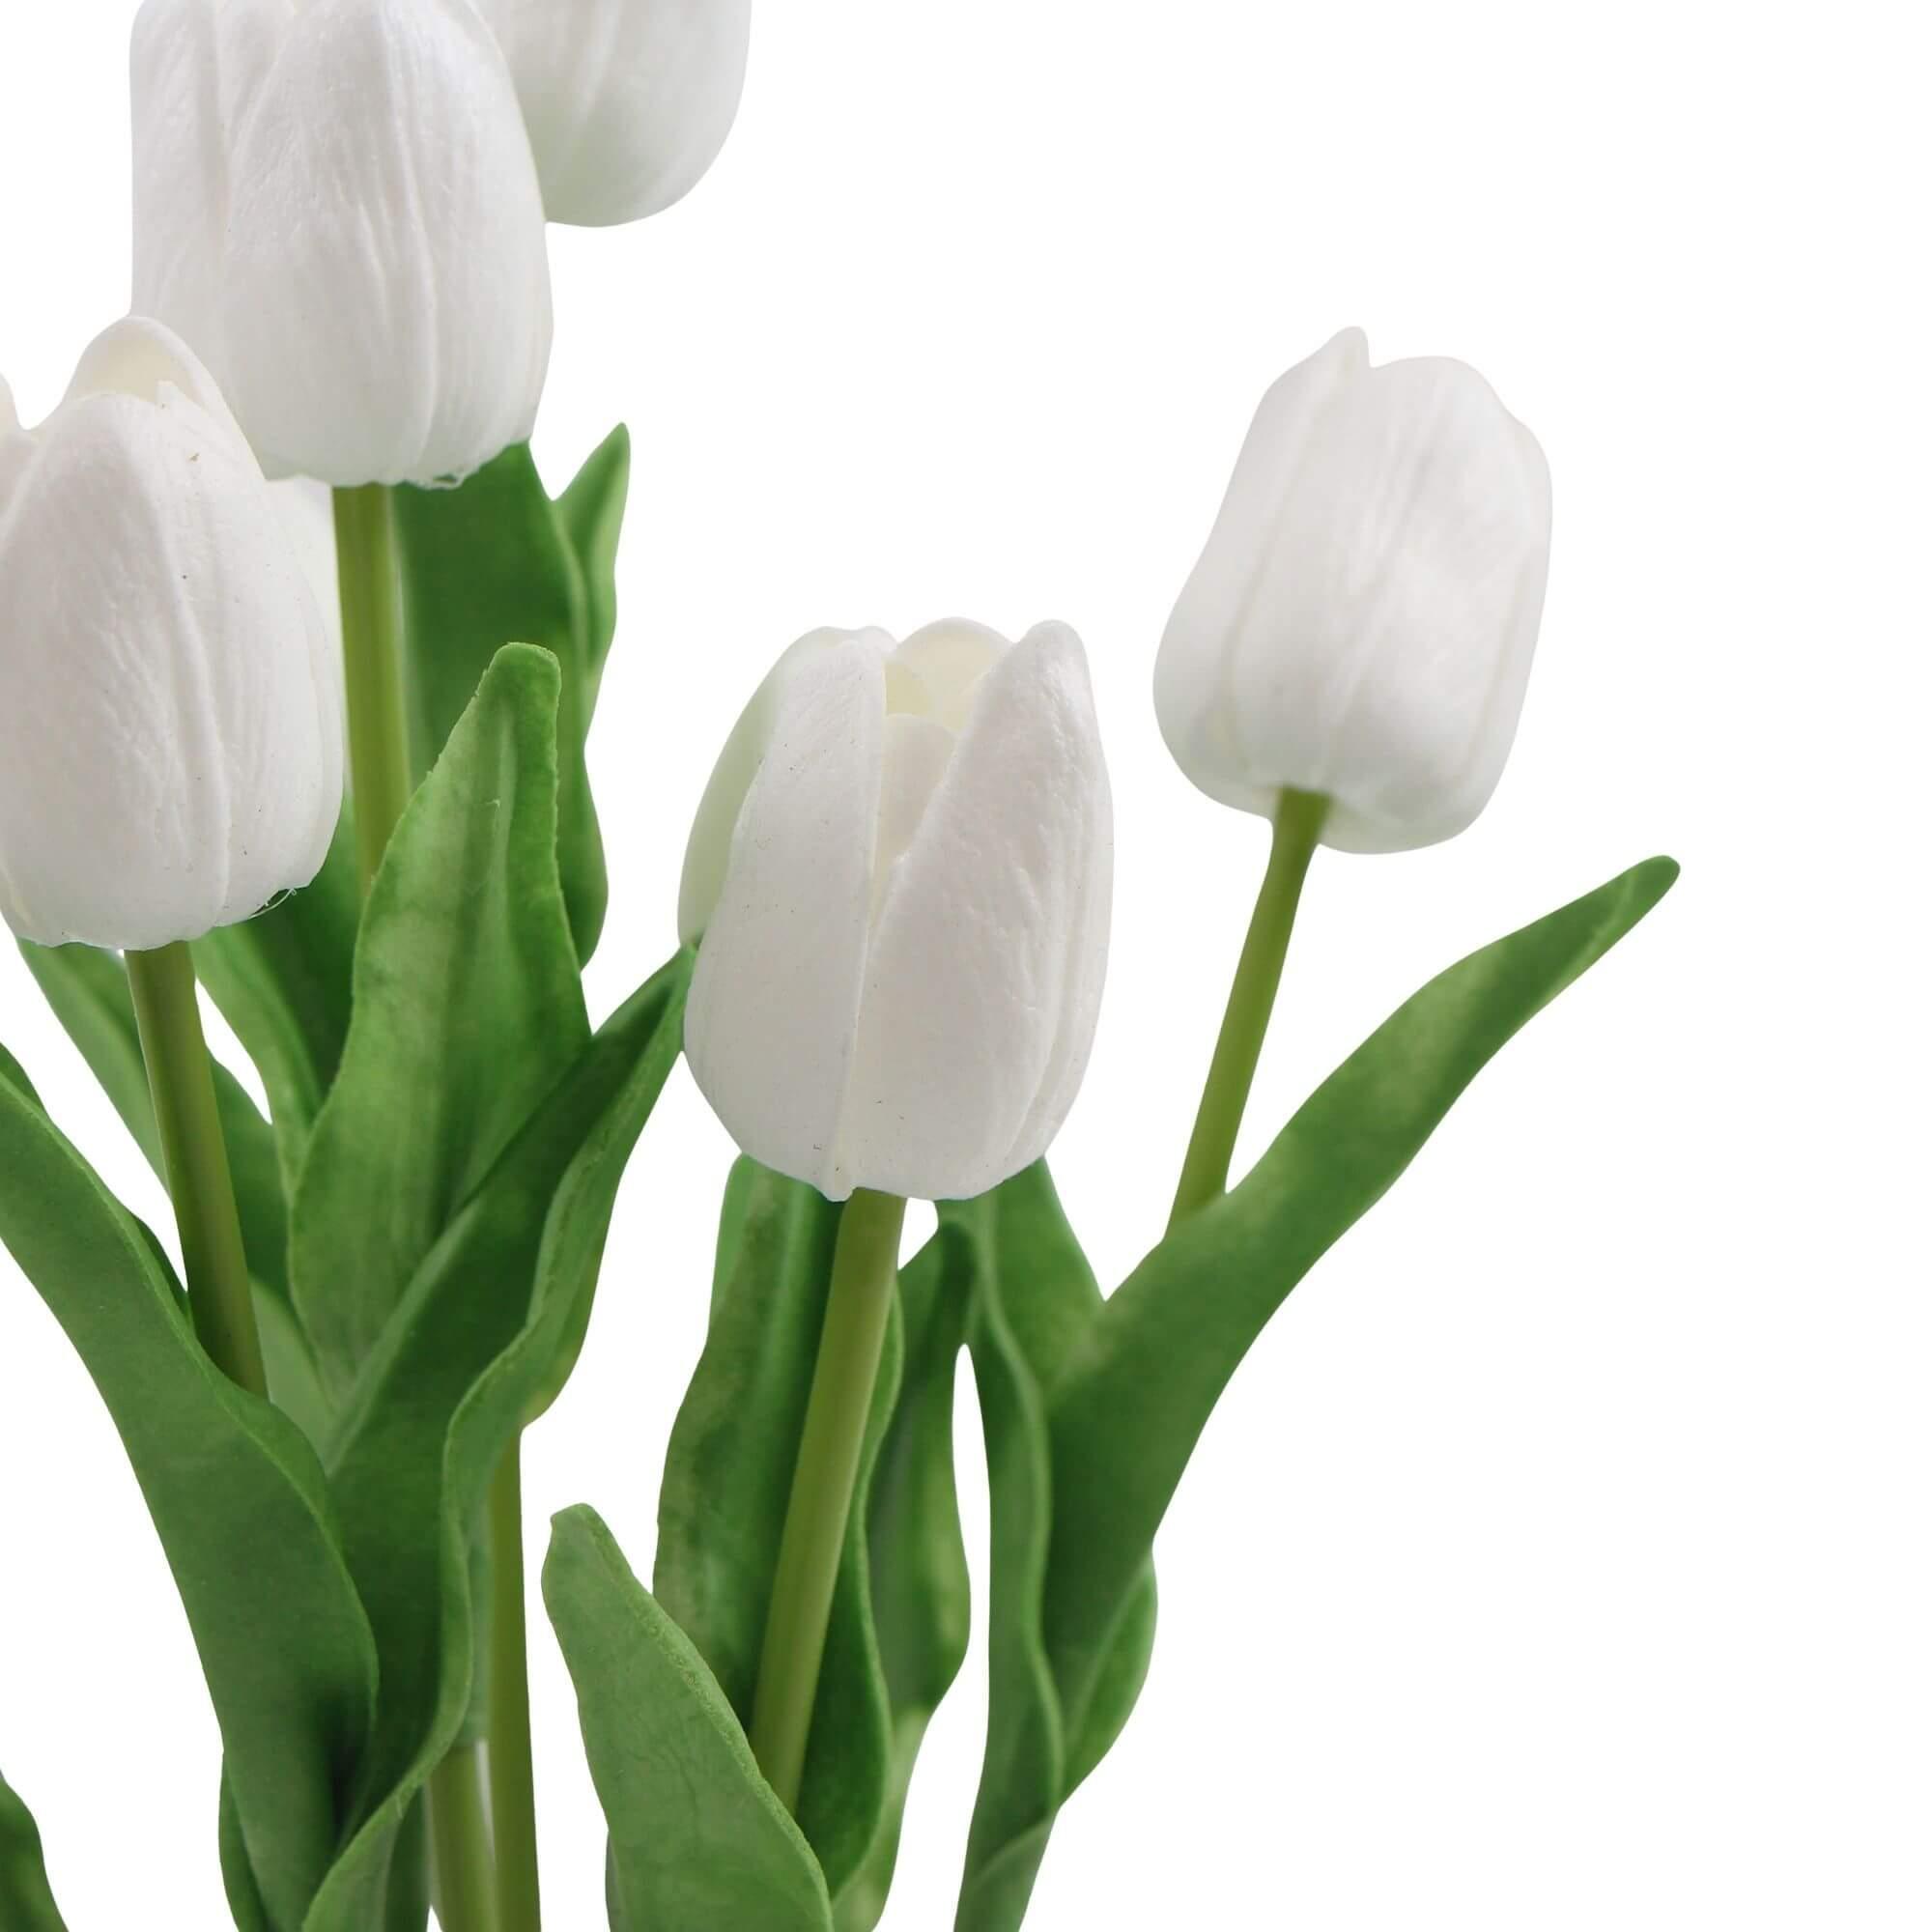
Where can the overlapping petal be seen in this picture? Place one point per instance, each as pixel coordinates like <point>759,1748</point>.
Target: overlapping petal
<point>170,741</point>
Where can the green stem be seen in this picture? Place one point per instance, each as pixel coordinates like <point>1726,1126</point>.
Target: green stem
<point>371,631</point>
<point>195,1157</point>
<point>512,1806</point>
<point>381,779</point>
<point>459,1829</point>
<point>864,1275</point>
<point>1298,817</point>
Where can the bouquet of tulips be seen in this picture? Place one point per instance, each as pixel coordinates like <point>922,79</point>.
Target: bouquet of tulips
<point>351,807</point>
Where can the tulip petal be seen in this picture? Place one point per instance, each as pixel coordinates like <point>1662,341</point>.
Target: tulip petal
<point>16,447</point>
<point>708,855</point>
<point>983,983</point>
<point>773,1004</point>
<point>627,103</point>
<point>196,64</point>
<point>1192,692</point>
<point>139,357</point>
<point>1408,572</point>
<point>336,205</point>
<point>947,660</point>
<point>166,761</point>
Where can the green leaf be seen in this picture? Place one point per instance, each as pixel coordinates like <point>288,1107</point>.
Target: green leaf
<point>281,980</point>
<point>728,1465</point>
<point>728,1483</point>
<point>238,1883</point>
<point>921,1593</point>
<point>26,1898</point>
<point>477,1334</point>
<point>900,1610</point>
<point>237,1498</point>
<point>88,992</point>
<point>1128,1410</point>
<point>699,1840</point>
<point>468,1011</point>
<point>1103,1402</point>
<point>495,562</point>
<point>1034,1301</point>
<point>592,514</point>
<point>1117,1686</point>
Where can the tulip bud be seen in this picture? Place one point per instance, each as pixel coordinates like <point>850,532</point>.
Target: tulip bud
<point>170,737</point>
<point>903,872</point>
<point>1362,621</point>
<point>336,207</point>
<point>627,102</point>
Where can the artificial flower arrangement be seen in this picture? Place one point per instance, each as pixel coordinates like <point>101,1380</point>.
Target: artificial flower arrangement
<point>373,844</point>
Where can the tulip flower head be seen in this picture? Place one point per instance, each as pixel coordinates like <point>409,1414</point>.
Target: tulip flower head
<point>335,206</point>
<point>1362,621</point>
<point>170,730</point>
<point>902,873</point>
<point>627,102</point>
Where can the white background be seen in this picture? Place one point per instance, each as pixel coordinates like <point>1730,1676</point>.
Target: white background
<point>1560,1557</point>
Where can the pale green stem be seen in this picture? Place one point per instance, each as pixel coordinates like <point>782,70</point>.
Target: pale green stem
<point>459,1829</point>
<point>512,1806</point>
<point>864,1278</point>
<point>1298,818</point>
<point>195,1157</point>
<point>372,666</point>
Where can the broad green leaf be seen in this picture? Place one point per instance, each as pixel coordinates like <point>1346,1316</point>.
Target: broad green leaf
<point>88,992</point>
<point>238,1883</point>
<point>1117,1686</point>
<point>476,1335</point>
<point>237,1496</point>
<point>922,1597</point>
<point>467,1012</point>
<point>1127,1410</point>
<point>726,1485</point>
<point>282,982</point>
<point>493,563</point>
<point>1034,1301</point>
<point>729,1464</point>
<point>1122,1389</point>
<point>592,514</point>
<point>26,1898</point>
<point>699,1840</point>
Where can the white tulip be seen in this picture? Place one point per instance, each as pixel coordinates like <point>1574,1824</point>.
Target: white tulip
<point>1362,621</point>
<point>336,207</point>
<point>628,101</point>
<point>902,871</point>
<point>170,737</point>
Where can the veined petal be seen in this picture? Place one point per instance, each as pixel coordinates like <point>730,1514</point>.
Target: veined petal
<point>17,449</point>
<point>628,101</point>
<point>1408,570</point>
<point>140,357</point>
<point>708,854</point>
<point>1223,600</point>
<point>1088,934</point>
<point>164,764</point>
<point>982,981</point>
<point>338,207</point>
<point>194,66</point>
<point>774,1005</point>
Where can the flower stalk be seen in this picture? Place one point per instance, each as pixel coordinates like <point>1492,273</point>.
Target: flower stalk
<point>372,663</point>
<point>195,1157</point>
<point>1298,817</point>
<point>513,1805</point>
<point>864,1278</point>
<point>459,1827</point>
